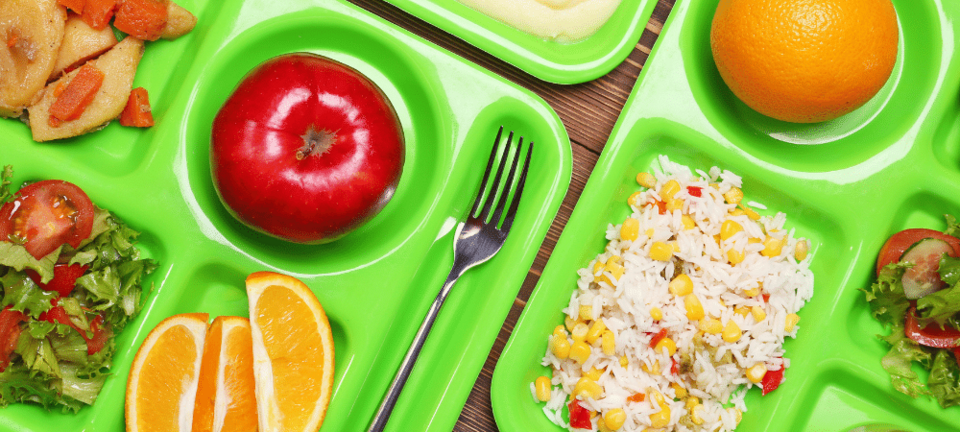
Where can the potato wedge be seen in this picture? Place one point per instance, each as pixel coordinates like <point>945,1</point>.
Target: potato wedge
<point>32,31</point>
<point>81,43</point>
<point>179,22</point>
<point>119,65</point>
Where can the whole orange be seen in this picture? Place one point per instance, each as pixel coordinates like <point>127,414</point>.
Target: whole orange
<point>804,61</point>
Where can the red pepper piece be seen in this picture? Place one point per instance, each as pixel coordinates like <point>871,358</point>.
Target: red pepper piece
<point>694,191</point>
<point>771,381</point>
<point>674,367</point>
<point>658,337</point>
<point>579,416</point>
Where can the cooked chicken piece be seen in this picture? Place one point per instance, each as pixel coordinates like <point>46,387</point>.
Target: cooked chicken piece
<point>81,43</point>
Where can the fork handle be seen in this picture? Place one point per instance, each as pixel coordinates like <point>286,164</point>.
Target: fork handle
<point>393,393</point>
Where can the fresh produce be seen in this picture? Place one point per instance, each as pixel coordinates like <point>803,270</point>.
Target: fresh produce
<point>71,279</point>
<point>272,372</point>
<point>306,149</point>
<point>917,295</point>
<point>226,396</point>
<point>162,385</point>
<point>90,74</point>
<point>763,50</point>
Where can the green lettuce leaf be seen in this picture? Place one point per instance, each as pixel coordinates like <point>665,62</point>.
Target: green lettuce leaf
<point>944,380</point>
<point>942,306</point>
<point>899,360</point>
<point>953,229</point>
<point>888,303</point>
<point>5,176</point>
<point>83,389</point>
<point>16,256</point>
<point>18,384</point>
<point>20,292</point>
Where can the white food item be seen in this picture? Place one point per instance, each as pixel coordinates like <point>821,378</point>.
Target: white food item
<point>559,20</point>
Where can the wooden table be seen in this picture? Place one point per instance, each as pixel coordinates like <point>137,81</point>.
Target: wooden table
<point>588,112</point>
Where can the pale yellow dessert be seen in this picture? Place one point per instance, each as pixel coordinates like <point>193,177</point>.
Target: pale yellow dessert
<point>558,20</point>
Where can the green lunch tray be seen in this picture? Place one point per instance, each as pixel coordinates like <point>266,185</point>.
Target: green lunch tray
<point>377,283</point>
<point>560,63</point>
<point>846,185</point>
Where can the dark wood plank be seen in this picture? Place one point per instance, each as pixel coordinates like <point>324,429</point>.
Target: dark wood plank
<point>588,112</point>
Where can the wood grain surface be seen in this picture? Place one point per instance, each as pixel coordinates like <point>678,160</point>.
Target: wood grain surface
<point>588,112</point>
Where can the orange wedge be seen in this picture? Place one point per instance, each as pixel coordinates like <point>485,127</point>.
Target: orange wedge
<point>226,398</point>
<point>162,385</point>
<point>292,353</point>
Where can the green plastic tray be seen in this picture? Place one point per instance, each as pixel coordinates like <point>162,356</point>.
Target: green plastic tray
<point>561,63</point>
<point>846,185</point>
<point>377,283</point>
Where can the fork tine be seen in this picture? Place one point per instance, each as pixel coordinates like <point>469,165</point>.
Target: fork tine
<point>486,173</point>
<point>496,180</point>
<point>502,202</point>
<point>508,221</point>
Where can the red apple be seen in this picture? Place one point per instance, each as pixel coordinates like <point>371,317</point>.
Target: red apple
<point>306,149</point>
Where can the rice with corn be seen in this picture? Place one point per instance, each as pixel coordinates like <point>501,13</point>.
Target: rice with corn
<point>685,310</point>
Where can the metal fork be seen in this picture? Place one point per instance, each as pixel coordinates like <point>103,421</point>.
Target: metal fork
<point>478,238</point>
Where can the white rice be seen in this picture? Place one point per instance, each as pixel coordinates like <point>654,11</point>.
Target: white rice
<point>717,380</point>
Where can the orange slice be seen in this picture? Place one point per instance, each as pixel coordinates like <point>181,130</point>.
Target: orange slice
<point>162,385</point>
<point>292,353</point>
<point>226,398</point>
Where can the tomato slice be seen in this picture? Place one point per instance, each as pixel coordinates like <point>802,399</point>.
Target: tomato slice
<point>931,335</point>
<point>57,314</point>
<point>46,215</point>
<point>64,278</point>
<point>898,243</point>
<point>9,334</point>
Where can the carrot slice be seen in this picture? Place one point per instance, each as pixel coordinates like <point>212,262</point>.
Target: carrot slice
<point>97,13</point>
<point>142,19</point>
<point>74,5</point>
<point>81,90</point>
<point>137,112</point>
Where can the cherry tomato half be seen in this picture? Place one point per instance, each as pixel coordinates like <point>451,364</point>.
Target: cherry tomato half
<point>898,243</point>
<point>46,215</point>
<point>9,334</point>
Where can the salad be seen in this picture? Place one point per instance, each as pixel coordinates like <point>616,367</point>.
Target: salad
<point>71,279</point>
<point>917,295</point>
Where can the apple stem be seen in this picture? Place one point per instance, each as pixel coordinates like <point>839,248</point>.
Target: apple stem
<point>316,142</point>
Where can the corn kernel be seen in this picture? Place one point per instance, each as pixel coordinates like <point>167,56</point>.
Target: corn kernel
<point>733,196</point>
<point>569,323</point>
<point>674,204</point>
<point>678,390</point>
<point>731,332</point>
<point>729,228</point>
<point>587,388</point>
<point>752,292</point>
<point>602,426</point>
<point>632,199</point>
<point>655,370</point>
<point>668,344</point>
<point>681,285</point>
<point>736,413</point>
<point>559,330</point>
<point>742,311</point>
<point>598,267</point>
<point>735,257</point>
<point>792,320</point>
<point>614,418</point>
<point>615,269</point>
<point>693,306</point>
<point>595,331</point>
<point>661,251</point>
<point>613,260</point>
<point>656,313</point>
<point>691,402</point>
<point>624,361</point>
<point>646,180</point>
<point>580,352</point>
<point>660,419</point>
<point>754,240</point>
<point>756,372</point>
<point>801,250</point>
<point>560,346</point>
<point>695,414</point>
<point>593,374</point>
<point>711,325</point>
<point>649,233</point>
<point>630,229</point>
<point>772,247</point>
<point>586,312</point>
<point>688,222</point>
<point>543,386</point>
<point>736,212</point>
<point>579,333</point>
<point>758,313</point>
<point>669,189</point>
<point>752,214</point>
<point>607,342</point>
<point>658,398</point>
